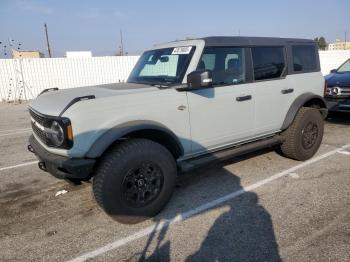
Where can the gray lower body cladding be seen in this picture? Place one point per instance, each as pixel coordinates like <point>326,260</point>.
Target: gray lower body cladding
<point>60,166</point>
<point>235,151</point>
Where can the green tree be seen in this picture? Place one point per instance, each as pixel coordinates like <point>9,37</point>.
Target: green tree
<point>321,42</point>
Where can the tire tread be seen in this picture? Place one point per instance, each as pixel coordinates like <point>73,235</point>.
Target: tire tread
<point>116,157</point>
<point>290,147</point>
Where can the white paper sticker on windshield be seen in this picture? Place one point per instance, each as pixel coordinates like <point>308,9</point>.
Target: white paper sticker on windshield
<point>182,50</point>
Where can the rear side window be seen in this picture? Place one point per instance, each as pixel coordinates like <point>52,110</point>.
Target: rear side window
<point>268,62</point>
<point>304,58</point>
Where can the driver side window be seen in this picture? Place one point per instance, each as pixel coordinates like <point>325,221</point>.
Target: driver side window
<point>226,63</point>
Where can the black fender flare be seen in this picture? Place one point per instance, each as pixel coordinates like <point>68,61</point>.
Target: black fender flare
<point>119,131</point>
<point>299,102</point>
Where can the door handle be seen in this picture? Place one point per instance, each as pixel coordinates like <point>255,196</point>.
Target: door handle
<point>182,107</point>
<point>287,91</point>
<point>243,98</point>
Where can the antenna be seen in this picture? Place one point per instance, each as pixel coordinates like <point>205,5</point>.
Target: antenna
<point>47,41</point>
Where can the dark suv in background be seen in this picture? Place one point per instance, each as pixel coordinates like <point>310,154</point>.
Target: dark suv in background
<point>337,90</point>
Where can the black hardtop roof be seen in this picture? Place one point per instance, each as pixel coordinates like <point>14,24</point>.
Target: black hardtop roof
<point>252,41</point>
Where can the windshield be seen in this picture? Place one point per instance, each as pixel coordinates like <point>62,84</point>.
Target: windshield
<point>162,66</point>
<point>344,67</point>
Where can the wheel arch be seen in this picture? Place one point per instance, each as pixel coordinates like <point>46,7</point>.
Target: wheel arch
<point>305,100</point>
<point>137,129</point>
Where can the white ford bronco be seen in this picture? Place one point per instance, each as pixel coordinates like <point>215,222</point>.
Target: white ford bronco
<point>185,104</point>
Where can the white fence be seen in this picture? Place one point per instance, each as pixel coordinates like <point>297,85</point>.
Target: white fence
<point>22,79</point>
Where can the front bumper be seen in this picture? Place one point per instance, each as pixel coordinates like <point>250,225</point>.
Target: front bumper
<point>338,104</point>
<point>60,166</point>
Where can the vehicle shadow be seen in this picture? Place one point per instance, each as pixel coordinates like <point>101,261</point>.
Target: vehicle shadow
<point>244,232</point>
<point>338,118</point>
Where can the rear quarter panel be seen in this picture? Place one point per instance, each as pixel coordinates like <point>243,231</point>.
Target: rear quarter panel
<point>307,82</point>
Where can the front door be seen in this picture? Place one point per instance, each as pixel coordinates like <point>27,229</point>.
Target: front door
<point>224,114</point>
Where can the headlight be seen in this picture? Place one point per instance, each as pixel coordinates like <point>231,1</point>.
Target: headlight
<point>56,134</point>
<point>53,131</point>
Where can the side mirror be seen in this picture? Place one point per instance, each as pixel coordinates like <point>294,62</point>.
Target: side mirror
<point>333,71</point>
<point>198,79</point>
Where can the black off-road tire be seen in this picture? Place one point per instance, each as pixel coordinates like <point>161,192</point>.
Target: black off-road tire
<point>297,145</point>
<point>113,176</point>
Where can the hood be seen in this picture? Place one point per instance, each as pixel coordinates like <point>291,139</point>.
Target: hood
<point>338,79</point>
<point>54,102</point>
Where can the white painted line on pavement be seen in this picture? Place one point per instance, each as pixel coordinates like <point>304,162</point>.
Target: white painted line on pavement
<point>14,130</point>
<point>19,165</point>
<point>344,152</point>
<point>181,217</point>
<point>294,175</point>
<point>15,133</point>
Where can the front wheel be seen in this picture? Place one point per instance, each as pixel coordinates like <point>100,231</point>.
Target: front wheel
<point>303,138</point>
<point>135,180</point>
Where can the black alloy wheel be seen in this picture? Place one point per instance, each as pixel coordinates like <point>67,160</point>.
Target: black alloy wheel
<point>142,184</point>
<point>309,135</point>
<point>134,180</point>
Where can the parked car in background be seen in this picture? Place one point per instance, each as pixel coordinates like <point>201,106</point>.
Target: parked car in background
<point>337,90</point>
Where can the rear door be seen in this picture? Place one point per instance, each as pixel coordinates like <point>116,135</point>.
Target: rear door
<point>273,91</point>
<point>224,114</point>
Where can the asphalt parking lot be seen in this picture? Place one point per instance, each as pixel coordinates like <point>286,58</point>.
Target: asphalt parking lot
<point>261,207</point>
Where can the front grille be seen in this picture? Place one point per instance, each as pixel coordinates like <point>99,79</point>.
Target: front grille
<point>38,118</point>
<point>342,92</point>
<point>39,133</point>
<point>345,90</point>
<point>43,121</point>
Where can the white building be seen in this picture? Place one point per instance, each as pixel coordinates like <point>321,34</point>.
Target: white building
<point>78,54</point>
<point>339,45</point>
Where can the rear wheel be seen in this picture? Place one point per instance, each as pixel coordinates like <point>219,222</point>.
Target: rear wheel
<point>303,138</point>
<point>135,180</point>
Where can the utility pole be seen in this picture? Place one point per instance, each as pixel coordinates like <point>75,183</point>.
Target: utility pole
<point>345,41</point>
<point>121,43</point>
<point>47,41</point>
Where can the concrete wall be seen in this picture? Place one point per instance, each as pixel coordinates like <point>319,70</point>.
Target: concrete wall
<point>332,59</point>
<point>22,79</point>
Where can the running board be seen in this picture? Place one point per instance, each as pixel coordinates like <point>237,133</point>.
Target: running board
<point>222,155</point>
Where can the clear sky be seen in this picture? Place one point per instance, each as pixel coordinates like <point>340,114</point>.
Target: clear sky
<point>94,25</point>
